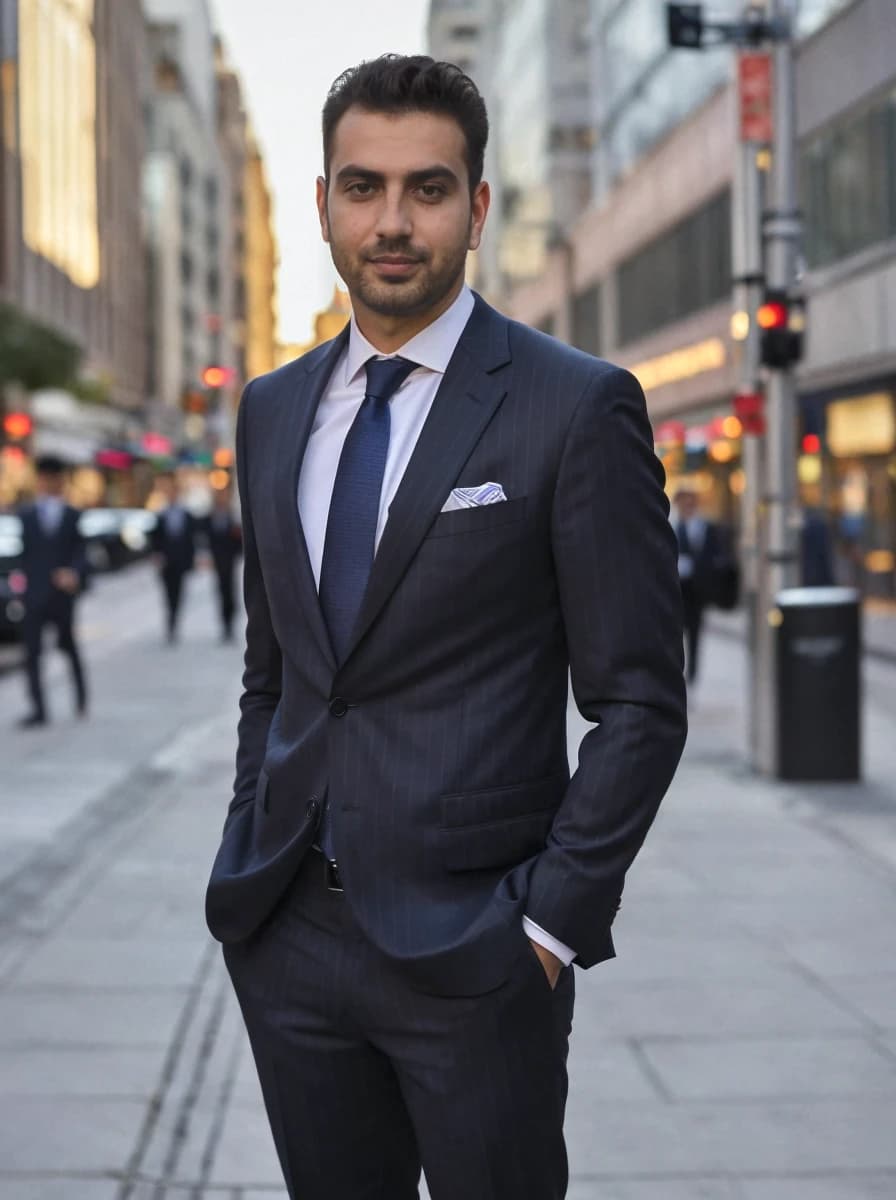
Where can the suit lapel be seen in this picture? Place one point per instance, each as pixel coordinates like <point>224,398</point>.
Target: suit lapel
<point>292,433</point>
<point>468,397</point>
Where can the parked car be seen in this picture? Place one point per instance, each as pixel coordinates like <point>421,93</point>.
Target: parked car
<point>116,536</point>
<point>12,581</point>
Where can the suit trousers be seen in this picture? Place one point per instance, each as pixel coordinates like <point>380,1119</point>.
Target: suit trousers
<point>365,1079</point>
<point>225,572</point>
<point>173,583</point>
<point>58,611</point>
<point>692,604</point>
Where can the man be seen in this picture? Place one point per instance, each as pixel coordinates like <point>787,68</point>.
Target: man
<point>225,542</point>
<point>443,512</point>
<point>174,549</point>
<point>54,563</point>
<point>700,557</point>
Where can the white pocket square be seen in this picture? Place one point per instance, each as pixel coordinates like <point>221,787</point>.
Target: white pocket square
<point>474,497</point>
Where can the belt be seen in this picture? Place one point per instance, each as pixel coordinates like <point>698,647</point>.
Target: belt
<point>331,872</point>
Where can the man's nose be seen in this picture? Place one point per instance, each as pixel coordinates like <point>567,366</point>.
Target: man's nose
<point>394,216</point>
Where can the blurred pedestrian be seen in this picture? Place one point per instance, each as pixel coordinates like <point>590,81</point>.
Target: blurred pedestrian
<point>444,513</point>
<point>702,554</point>
<point>174,548</point>
<point>225,543</point>
<point>54,563</point>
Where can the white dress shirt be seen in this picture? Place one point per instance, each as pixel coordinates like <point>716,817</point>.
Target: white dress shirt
<point>49,513</point>
<point>432,349</point>
<point>695,527</point>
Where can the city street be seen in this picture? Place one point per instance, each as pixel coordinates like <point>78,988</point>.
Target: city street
<point>742,1046</point>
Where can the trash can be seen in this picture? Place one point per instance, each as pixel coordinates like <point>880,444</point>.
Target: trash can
<point>818,683</point>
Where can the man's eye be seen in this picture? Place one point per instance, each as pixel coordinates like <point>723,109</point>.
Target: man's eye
<point>432,191</point>
<point>361,188</point>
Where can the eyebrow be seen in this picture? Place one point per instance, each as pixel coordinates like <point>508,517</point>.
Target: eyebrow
<point>424,175</point>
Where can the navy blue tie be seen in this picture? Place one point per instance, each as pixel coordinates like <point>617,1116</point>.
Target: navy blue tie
<point>354,514</point>
<point>355,503</point>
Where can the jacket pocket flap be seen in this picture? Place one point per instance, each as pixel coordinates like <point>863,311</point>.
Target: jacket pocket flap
<point>461,810</point>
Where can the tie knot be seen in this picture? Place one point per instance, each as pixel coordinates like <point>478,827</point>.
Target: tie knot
<point>386,375</point>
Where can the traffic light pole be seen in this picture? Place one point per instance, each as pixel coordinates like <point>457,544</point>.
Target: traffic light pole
<point>782,229</point>
<point>748,286</point>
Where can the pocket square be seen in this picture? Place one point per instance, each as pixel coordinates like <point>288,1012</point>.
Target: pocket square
<point>474,497</point>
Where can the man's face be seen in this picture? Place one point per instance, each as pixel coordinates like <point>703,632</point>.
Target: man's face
<point>687,505</point>
<point>49,483</point>
<point>397,211</point>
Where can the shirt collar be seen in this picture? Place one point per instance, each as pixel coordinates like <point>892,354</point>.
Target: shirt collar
<point>432,347</point>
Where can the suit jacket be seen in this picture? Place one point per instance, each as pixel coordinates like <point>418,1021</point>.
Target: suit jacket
<point>225,545</point>
<point>440,740</point>
<point>43,553</point>
<point>178,549</point>
<point>708,558</point>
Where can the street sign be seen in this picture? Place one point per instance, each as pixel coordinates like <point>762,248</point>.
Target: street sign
<point>754,89</point>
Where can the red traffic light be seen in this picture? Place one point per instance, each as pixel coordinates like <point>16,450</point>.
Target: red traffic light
<point>773,314</point>
<point>811,444</point>
<point>17,425</point>
<point>215,377</point>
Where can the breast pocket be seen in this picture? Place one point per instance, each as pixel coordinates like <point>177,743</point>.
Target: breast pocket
<point>480,517</point>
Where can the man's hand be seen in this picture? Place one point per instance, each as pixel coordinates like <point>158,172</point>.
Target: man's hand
<point>551,963</point>
<point>66,580</point>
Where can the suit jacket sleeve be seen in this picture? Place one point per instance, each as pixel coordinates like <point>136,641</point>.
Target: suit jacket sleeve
<point>262,675</point>
<point>616,563</point>
<point>80,561</point>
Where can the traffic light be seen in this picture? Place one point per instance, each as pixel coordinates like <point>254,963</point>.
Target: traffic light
<point>685,25</point>
<point>780,320</point>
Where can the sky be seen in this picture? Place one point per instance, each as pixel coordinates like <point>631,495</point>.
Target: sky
<point>287,54</point>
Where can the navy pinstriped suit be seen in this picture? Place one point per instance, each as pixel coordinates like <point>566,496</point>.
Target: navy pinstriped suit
<point>440,744</point>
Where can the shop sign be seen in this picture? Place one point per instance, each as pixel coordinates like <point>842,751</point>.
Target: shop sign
<point>754,90</point>
<point>861,425</point>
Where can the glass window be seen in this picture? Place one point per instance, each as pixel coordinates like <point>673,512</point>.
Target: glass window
<point>848,182</point>
<point>680,272</point>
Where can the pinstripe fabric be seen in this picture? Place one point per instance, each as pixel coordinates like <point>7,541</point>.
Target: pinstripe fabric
<point>453,811</point>
<point>365,1078</point>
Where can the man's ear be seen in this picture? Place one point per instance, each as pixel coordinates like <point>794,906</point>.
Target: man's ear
<point>479,211</point>
<point>321,195</point>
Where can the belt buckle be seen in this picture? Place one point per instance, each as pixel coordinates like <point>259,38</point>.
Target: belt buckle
<point>331,876</point>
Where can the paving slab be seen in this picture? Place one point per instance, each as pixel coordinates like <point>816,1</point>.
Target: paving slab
<point>110,962</point>
<point>654,1189</point>
<point>772,1068</point>
<point>68,1072</point>
<point>67,1017</point>
<point>853,1186</point>
<point>58,1189</point>
<point>64,1134</point>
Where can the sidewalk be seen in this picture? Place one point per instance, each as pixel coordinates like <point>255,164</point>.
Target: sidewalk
<point>742,1047</point>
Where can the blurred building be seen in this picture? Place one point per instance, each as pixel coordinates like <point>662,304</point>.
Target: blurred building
<point>72,142</point>
<point>261,263</point>
<point>193,205</point>
<point>643,276</point>
<point>328,323</point>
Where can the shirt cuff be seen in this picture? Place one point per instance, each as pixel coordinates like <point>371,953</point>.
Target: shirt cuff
<point>535,933</point>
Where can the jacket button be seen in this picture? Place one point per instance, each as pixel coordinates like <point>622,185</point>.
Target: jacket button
<point>338,707</point>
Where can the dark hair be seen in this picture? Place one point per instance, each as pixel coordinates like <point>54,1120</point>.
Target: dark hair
<point>49,464</point>
<point>396,83</point>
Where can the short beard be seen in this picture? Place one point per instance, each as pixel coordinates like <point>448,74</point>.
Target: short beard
<point>401,299</point>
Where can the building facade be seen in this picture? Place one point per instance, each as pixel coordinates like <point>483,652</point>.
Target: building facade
<point>189,217</point>
<point>261,263</point>
<point>644,277</point>
<point>69,180</point>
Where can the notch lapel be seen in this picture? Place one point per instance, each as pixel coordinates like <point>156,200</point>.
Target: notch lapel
<point>469,395</point>
<point>293,431</point>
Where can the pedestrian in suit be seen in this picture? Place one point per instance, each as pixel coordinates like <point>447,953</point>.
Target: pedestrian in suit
<point>443,513</point>
<point>54,562</point>
<point>700,552</point>
<point>174,549</point>
<point>225,543</point>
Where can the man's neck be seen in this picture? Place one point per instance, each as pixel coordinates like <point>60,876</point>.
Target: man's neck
<point>388,334</point>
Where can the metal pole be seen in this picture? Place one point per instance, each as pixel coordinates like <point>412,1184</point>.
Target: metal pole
<point>782,229</point>
<point>747,267</point>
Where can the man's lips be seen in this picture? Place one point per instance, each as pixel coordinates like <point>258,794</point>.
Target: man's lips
<point>395,264</point>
